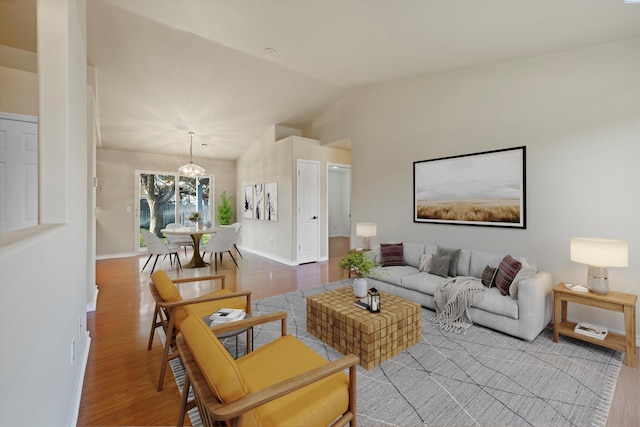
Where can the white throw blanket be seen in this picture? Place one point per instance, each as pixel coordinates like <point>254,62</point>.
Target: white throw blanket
<point>453,299</point>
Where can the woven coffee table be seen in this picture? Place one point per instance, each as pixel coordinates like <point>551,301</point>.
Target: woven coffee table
<point>373,337</point>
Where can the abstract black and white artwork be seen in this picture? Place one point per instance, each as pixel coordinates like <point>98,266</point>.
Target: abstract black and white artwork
<point>258,200</point>
<point>271,201</point>
<point>247,202</point>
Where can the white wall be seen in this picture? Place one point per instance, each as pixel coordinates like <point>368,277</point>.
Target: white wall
<point>268,160</point>
<point>43,271</point>
<point>577,112</point>
<point>115,228</point>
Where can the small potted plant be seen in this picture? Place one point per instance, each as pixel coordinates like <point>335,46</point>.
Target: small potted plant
<point>196,217</point>
<point>224,209</point>
<point>360,263</point>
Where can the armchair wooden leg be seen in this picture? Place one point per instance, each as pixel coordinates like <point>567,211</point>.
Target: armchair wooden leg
<point>154,325</point>
<point>165,352</point>
<point>234,260</point>
<point>183,402</point>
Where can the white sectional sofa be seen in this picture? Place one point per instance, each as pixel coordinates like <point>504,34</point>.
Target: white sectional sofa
<point>524,317</point>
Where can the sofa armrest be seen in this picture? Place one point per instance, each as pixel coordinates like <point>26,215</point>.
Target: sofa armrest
<point>534,305</point>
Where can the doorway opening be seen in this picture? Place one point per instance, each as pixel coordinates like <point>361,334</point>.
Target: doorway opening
<point>338,209</point>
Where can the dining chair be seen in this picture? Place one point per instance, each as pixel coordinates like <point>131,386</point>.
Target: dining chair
<point>155,246</point>
<point>283,383</point>
<point>178,240</point>
<point>171,309</point>
<point>219,243</point>
<point>236,226</point>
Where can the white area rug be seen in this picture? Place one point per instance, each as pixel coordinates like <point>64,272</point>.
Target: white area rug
<point>477,378</point>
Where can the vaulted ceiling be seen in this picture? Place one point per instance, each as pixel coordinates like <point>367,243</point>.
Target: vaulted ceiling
<point>166,67</point>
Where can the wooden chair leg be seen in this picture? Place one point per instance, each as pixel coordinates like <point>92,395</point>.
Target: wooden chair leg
<point>183,402</point>
<point>154,325</point>
<point>165,352</point>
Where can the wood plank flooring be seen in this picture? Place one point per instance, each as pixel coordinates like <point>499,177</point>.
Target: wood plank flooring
<point>120,381</point>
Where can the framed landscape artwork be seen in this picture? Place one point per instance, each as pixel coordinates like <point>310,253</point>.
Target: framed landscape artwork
<point>247,202</point>
<point>486,189</point>
<point>271,201</point>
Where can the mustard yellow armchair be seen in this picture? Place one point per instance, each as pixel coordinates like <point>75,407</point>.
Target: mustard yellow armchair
<point>283,383</point>
<point>171,309</point>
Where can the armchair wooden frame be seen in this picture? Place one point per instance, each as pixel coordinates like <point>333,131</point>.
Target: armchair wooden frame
<point>164,316</point>
<point>213,412</point>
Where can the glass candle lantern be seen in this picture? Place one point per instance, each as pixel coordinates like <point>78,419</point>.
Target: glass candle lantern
<point>373,298</point>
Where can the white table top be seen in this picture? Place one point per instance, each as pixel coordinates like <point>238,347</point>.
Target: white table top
<point>190,230</point>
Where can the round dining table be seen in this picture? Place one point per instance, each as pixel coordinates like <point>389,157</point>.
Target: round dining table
<point>196,234</point>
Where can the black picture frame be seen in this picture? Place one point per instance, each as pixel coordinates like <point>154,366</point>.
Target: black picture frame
<point>482,189</point>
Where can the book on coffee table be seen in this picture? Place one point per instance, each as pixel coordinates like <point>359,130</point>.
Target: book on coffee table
<point>590,330</point>
<point>225,315</point>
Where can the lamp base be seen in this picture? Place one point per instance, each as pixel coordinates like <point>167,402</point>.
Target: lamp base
<point>366,243</point>
<point>598,279</point>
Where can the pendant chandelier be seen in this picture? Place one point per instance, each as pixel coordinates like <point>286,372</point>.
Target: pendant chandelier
<point>191,170</point>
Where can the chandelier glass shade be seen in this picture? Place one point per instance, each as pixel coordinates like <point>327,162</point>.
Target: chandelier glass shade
<point>191,170</point>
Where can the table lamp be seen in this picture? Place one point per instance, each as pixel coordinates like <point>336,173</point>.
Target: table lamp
<point>599,254</point>
<point>366,230</point>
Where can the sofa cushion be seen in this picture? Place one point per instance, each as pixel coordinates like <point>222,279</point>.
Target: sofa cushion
<point>430,249</point>
<point>422,282</point>
<point>454,256</point>
<point>464,262</point>
<point>412,253</point>
<point>440,265</point>
<point>391,254</point>
<point>492,301</point>
<point>507,271</point>
<point>527,271</point>
<point>488,276</point>
<point>393,274</point>
<point>479,260</point>
<point>425,262</point>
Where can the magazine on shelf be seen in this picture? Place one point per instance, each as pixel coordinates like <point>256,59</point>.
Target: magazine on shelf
<point>225,315</point>
<point>576,288</point>
<point>590,330</point>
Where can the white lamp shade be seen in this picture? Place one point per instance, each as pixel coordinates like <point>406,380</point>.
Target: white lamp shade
<point>366,229</point>
<point>600,252</point>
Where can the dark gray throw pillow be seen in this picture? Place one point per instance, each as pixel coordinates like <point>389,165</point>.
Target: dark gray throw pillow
<point>440,265</point>
<point>454,255</point>
<point>488,275</point>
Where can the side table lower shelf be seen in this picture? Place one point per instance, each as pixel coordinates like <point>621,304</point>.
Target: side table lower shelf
<point>612,340</point>
<point>614,301</point>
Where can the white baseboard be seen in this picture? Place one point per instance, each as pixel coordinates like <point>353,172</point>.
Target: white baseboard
<point>122,255</point>
<point>272,257</point>
<point>91,306</point>
<point>80,383</point>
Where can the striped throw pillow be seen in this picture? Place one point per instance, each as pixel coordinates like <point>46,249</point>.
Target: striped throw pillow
<point>391,254</point>
<point>507,271</point>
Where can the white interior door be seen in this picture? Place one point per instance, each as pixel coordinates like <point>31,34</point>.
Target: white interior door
<point>308,211</point>
<point>18,172</point>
